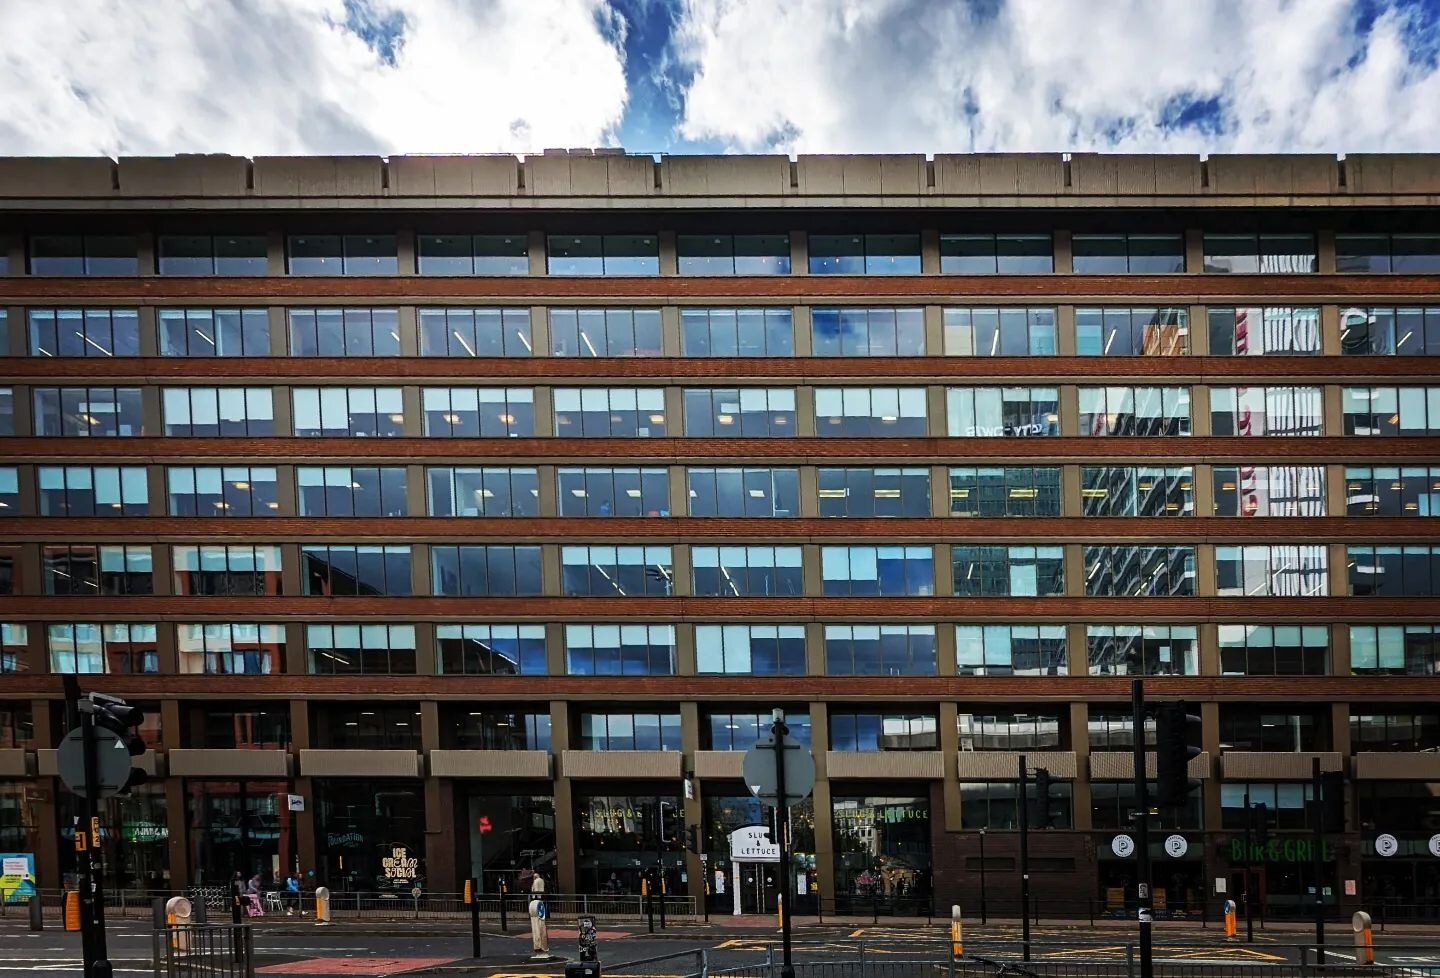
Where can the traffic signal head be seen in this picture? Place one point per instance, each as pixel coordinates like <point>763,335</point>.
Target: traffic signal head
<point>114,714</point>
<point>1261,814</point>
<point>1331,802</point>
<point>692,838</point>
<point>1042,796</point>
<point>1177,742</point>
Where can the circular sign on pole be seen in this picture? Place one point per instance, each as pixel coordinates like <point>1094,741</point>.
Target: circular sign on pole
<point>1386,845</point>
<point>1176,846</point>
<point>1435,845</point>
<point>758,770</point>
<point>1123,846</point>
<point>112,762</point>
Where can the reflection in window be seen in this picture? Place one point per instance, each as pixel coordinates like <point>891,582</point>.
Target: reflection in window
<point>334,570</point>
<point>1136,254</point>
<point>989,571</point>
<point>231,648</point>
<point>1135,411</point>
<point>7,413</point>
<point>351,490</point>
<point>214,490</point>
<point>1272,728</point>
<point>880,650</point>
<point>1391,411</point>
<point>1113,804</point>
<point>348,412</point>
<point>990,254</point>
<point>1003,332</point>
<point>1114,729</point>
<point>1002,412</point>
<point>614,492</point>
<point>85,570</point>
<point>1395,650</point>
<point>483,491</point>
<point>208,412</point>
<point>245,729</point>
<point>361,649</point>
<point>1011,730</point>
<point>78,412</point>
<point>744,412</point>
<point>1127,570</point>
<point>1274,490</point>
<point>620,650</point>
<point>1410,730</point>
<point>883,731</point>
<point>863,571</point>
<point>495,571</point>
<point>870,411</point>
<point>241,569</point>
<point>1112,331</point>
<point>204,254</point>
<point>1412,490</point>
<point>605,571</point>
<point>1010,491</point>
<point>761,571</point>
<point>367,726</point>
<point>478,412</point>
<point>110,648</point>
<point>750,650</point>
<point>741,731</point>
<point>1123,490</point>
<point>1010,650</point>
<point>491,650</point>
<point>472,254</point>
<point>93,490</point>
<point>743,491</point>
<point>1393,571</point>
<point>629,731</point>
<point>349,254</point>
<point>1258,330</point>
<point>733,254</point>
<point>864,491</point>
<point>1287,804</point>
<point>992,805</point>
<point>83,254</point>
<point>1276,570</point>
<point>214,333</point>
<point>1274,650</point>
<point>1401,331</point>
<point>448,332</point>
<point>867,332</point>
<point>746,332</point>
<point>591,332</point>
<point>350,332</point>
<point>1275,254</point>
<point>84,332</point>
<point>1142,650</point>
<point>497,729</point>
<point>10,491</point>
<point>609,412</point>
<point>1415,254</point>
<point>603,254</point>
<point>864,254</point>
<point>1273,411</point>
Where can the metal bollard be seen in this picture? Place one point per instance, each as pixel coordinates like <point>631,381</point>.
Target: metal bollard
<point>177,912</point>
<point>1364,937</point>
<point>472,898</point>
<point>37,913</point>
<point>957,932</point>
<point>322,905</point>
<point>157,914</point>
<point>504,923</point>
<point>72,910</point>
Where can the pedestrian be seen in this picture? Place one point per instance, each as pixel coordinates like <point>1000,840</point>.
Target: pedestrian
<point>252,897</point>
<point>292,894</point>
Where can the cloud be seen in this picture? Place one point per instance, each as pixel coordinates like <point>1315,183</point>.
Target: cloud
<point>87,77</point>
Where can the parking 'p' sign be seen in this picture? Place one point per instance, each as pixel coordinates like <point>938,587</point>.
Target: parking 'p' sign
<point>1123,846</point>
<point>1386,845</point>
<point>1435,845</point>
<point>1176,846</point>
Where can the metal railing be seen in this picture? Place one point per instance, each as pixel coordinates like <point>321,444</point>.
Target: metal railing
<point>204,951</point>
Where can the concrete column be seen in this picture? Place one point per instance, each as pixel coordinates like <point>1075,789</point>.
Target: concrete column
<point>669,259</point>
<point>1330,331</point>
<point>540,331</point>
<point>670,331</point>
<point>295,663</point>
<point>930,253</point>
<point>284,417</point>
<point>680,568</point>
<point>146,322</point>
<point>939,490</point>
<point>950,749</point>
<point>565,836</point>
<point>799,253</point>
<point>674,412</point>
<point>410,405</point>
<point>824,804</point>
<point>277,319</point>
<point>1205,578</point>
<point>1069,396</point>
<point>1072,502</point>
<point>679,491</point>
<point>935,408</point>
<point>177,833</point>
<point>1325,251</point>
<point>685,655</point>
<point>1065,344</point>
<point>1339,571</point>
<point>405,251</point>
<point>441,821</point>
<point>1208,635</point>
<point>162,564</point>
<point>426,657</point>
<point>1200,410</point>
<point>550,569</point>
<point>806,423</point>
<point>1339,650</point>
<point>945,640</point>
<point>935,329</point>
<point>286,493</point>
<point>275,253</point>
<point>145,253</point>
<point>420,582</point>
<point>1064,252</point>
<point>168,656</point>
<point>1332,407</point>
<point>1340,729</point>
<point>555,664</point>
<point>1073,564</point>
<point>1203,479</point>
<point>408,327</point>
<point>1080,804</point>
<point>803,337</point>
<point>156,493</point>
<point>1199,331</point>
<point>690,807</point>
<point>152,419</point>
<point>291,579</point>
<point>1210,740</point>
<point>1194,251</point>
<point>535,245</point>
<point>18,332</point>
<point>416,492</point>
<point>815,665</point>
<point>1076,653</point>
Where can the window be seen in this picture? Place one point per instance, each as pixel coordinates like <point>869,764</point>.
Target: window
<point>349,332</point>
<point>367,726</point>
<point>1375,731</point>
<point>741,731</point>
<point>1259,330</point>
<point>500,729</point>
<point>1274,650</point>
<point>1395,650</point>
<point>230,648</point>
<point>17,725</point>
<point>1412,490</point>
<point>335,570</point>
<point>884,571</point>
<point>10,491</point>
<point>990,254</point>
<point>1142,650</point>
<point>743,491</point>
<point>214,333</point>
<point>1391,411</point>
<point>864,254</point>
<point>451,332</point>
<point>11,571</point>
<point>733,254</point>
<point>1136,254</point>
<point>746,412</point>
<point>750,650</point>
<point>880,650</point>
<point>1273,254</point>
<point>84,333</point>
<point>1132,332</point>
<point>1004,332</point>
<point>614,492</point>
<point>361,649</point>
<point>610,412</point>
<point>1394,332</point>
<point>483,491</point>
<point>485,570</point>
<point>14,646</point>
<point>1002,412</point>
<point>1128,570</point>
<point>1113,802</point>
<point>351,490</point>
<point>747,332</point>
<point>213,490</point>
<point>1010,650</point>
<point>1268,729</point>
<point>1274,490</point>
<point>1274,570</point>
<point>620,650</point>
<point>992,805</point>
<point>83,254</point>
<point>1274,411</point>
<point>630,731</point>
<point>603,571</point>
<point>1115,490</point>
<point>1139,411</point>
<point>7,413</point>
<point>867,332</point>
<point>478,412</point>
<point>111,648</point>
<point>349,254</point>
<point>1416,254</point>
<point>1114,729</point>
<point>842,412</point>
<point>1011,730</point>
<point>207,412</point>
<point>354,412</point>
<point>246,729</point>
<point>204,254</point>
<point>1392,571</point>
<point>86,570</point>
<point>93,490</point>
<point>605,333</point>
<point>472,254</point>
<point>77,412</point>
<point>883,731</point>
<point>603,254</point>
<point>491,650</point>
<point>1020,490</point>
<point>982,571</point>
<point>217,570</point>
<point>1287,804</point>
<point>722,572</point>
<point>864,491</point>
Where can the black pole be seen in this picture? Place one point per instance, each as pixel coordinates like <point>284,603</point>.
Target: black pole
<point>504,891</point>
<point>778,732</point>
<point>1317,823</point>
<point>1249,877</point>
<point>660,858</point>
<point>982,876</point>
<point>1023,805</point>
<point>99,964</point>
<point>649,903</point>
<point>474,918</point>
<point>1142,829</point>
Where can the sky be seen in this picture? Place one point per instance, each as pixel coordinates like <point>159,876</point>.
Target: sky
<point>277,77</point>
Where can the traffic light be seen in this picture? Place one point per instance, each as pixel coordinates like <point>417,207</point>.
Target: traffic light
<point>120,718</point>
<point>672,821</point>
<point>1042,795</point>
<point>1331,802</point>
<point>1260,812</point>
<point>1177,742</point>
<point>692,838</point>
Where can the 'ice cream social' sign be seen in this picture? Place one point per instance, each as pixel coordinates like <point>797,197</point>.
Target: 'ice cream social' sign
<point>400,866</point>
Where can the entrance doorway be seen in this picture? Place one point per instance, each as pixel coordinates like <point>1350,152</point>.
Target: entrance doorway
<point>754,870</point>
<point>757,887</point>
<point>1257,883</point>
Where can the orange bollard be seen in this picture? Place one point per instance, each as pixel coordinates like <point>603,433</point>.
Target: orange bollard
<point>72,910</point>
<point>1364,937</point>
<point>1229,918</point>
<point>957,933</point>
<point>469,895</point>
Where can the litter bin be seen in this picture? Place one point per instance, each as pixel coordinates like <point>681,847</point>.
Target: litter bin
<point>582,969</point>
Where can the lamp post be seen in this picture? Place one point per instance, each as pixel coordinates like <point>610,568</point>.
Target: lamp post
<point>982,875</point>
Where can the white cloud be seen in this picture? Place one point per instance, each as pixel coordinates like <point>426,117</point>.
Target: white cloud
<point>85,77</point>
<point>1029,75</point>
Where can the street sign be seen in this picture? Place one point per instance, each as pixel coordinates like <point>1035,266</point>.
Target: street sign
<point>112,762</point>
<point>1386,845</point>
<point>1176,846</point>
<point>1434,845</point>
<point>1123,846</point>
<point>758,769</point>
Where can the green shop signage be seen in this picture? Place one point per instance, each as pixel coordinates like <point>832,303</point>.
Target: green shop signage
<point>1280,851</point>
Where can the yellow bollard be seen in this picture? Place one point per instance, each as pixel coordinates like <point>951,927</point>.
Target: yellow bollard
<point>322,905</point>
<point>1364,937</point>
<point>957,932</point>
<point>1229,918</point>
<point>469,896</point>
<point>72,910</point>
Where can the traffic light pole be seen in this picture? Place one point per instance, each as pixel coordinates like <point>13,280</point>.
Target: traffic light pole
<point>92,903</point>
<point>778,732</point>
<point>1318,824</point>
<point>1142,829</point>
<point>1023,804</point>
<point>1249,876</point>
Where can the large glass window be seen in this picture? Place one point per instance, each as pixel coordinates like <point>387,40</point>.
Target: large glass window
<point>1126,570</point>
<point>1373,730</point>
<point>610,412</point>
<point>219,570</point>
<point>215,490</point>
<point>214,333</point>
<point>1391,411</point>
<point>9,491</point>
<point>449,332</point>
<point>1393,571</point>
<point>864,254</point>
<point>334,569</point>
<point>603,254</point>
<point>83,254</point>
<point>865,491</point>
<point>245,729</point>
<point>14,647</point>
<point>1274,650</point>
<point>348,332</point>
<point>361,649</point>
<point>878,571</point>
<point>990,254</point>
<point>348,412</point>
<point>485,570</point>
<point>110,648</point>
<point>629,731</point>
<point>491,650</point>
<point>495,729</point>
<point>616,835</point>
<point>1019,571</point>
<point>870,412</point>
<point>1274,570</point>
<point>1132,332</point>
<point>1411,331</point>
<point>744,412</point>
<point>614,492</point>
<point>208,412</point>
<point>7,413</point>
<point>84,333</point>
<point>1415,254</point>
<point>484,491</point>
<point>1142,650</point>
<point>1287,804</point>
<point>750,650</point>
<point>347,254</point>
<point>1259,330</point>
<point>1125,490</point>
<point>739,571</point>
<point>1136,254</point>
<point>351,490</point>
<point>17,727</point>
<point>620,650</point>
<point>1011,730</point>
<point>351,725</point>
<point>733,254</point>
<point>616,571</point>
<point>1274,411</point>
<point>77,412</point>
<point>734,730</point>
<point>887,332</point>
<point>205,254</point>
<point>1269,728</point>
<point>1020,490</point>
<point>472,254</point>
<point>1003,332</point>
<point>993,805</point>
<point>350,814</point>
<point>93,490</point>
<point>1275,254</point>
<point>1139,411</point>
<point>883,731</point>
<point>1113,803</point>
<point>743,491</point>
<point>88,570</point>
<point>591,332</point>
<point>1010,650</point>
<point>1411,490</point>
<point>893,832</point>
<point>1113,729</point>
<point>745,332</point>
<point>231,648</point>
<point>880,650</point>
<point>479,412</point>
<point>1269,490</point>
<point>1002,412</point>
<point>1395,650</point>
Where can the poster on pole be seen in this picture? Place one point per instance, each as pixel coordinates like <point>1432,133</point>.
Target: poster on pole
<point>17,876</point>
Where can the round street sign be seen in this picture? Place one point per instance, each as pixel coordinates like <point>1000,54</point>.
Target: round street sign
<point>1176,846</point>
<point>1123,846</point>
<point>1386,845</point>
<point>758,769</point>
<point>112,761</point>
<point>1435,845</point>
